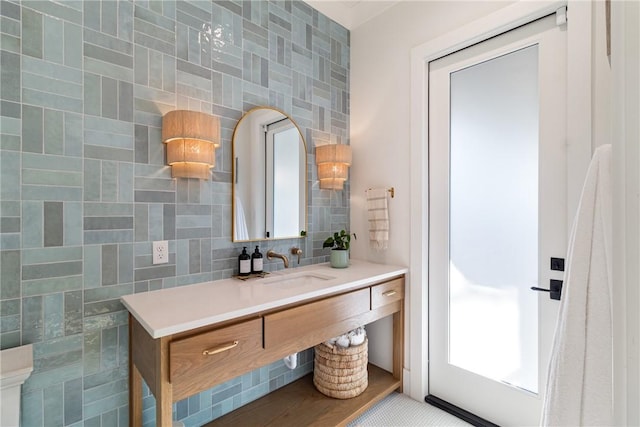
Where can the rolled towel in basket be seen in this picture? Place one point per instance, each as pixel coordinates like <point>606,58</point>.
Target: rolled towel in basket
<point>357,336</point>
<point>343,341</point>
<point>351,338</point>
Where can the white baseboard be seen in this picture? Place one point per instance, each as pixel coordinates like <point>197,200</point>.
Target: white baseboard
<point>406,381</point>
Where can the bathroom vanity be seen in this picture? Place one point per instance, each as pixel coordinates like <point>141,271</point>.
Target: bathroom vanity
<point>185,340</point>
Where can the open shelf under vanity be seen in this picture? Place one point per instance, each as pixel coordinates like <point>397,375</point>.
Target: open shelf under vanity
<point>300,404</point>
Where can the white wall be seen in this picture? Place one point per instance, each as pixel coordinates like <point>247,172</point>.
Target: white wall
<point>380,114</point>
<point>380,127</point>
<point>601,78</point>
<point>380,89</point>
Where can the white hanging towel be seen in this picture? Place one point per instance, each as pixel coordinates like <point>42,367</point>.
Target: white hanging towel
<point>240,227</point>
<point>579,388</point>
<point>378,213</point>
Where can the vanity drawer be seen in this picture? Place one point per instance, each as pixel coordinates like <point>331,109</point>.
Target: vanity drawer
<point>386,293</point>
<point>307,325</point>
<point>201,361</point>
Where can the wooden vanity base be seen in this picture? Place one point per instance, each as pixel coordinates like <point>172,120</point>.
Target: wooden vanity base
<point>179,365</point>
<point>300,404</point>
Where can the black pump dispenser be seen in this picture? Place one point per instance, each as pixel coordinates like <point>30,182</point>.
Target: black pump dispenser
<point>244,263</point>
<point>256,261</point>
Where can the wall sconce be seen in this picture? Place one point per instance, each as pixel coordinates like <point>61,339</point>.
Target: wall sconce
<point>333,162</point>
<point>192,138</point>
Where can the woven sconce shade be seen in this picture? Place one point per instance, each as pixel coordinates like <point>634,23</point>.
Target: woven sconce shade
<point>192,138</point>
<point>333,162</point>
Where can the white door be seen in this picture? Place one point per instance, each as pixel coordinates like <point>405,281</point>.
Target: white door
<point>497,196</point>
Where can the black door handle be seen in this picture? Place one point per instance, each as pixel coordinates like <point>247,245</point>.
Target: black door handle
<point>555,291</point>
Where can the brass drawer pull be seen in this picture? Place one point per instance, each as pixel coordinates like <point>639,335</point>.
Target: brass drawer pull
<point>220,349</point>
<point>389,293</point>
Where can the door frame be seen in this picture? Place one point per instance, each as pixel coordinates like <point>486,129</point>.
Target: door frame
<point>625,63</point>
<point>579,146</point>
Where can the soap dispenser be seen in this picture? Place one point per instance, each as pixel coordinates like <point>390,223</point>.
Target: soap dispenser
<point>244,263</point>
<point>256,261</point>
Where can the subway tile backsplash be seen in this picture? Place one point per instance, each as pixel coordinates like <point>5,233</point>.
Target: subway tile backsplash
<point>84,188</point>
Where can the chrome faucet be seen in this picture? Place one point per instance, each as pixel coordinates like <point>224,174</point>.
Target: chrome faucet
<point>296,251</point>
<point>272,254</point>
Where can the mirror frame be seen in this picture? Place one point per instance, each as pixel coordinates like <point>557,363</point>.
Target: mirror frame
<point>234,173</point>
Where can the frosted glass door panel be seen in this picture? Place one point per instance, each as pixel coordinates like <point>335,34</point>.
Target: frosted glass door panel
<point>493,227</point>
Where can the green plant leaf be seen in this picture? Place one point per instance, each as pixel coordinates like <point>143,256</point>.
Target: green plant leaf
<point>328,243</point>
<point>340,240</point>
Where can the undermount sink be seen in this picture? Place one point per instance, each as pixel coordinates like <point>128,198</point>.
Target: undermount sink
<point>302,278</point>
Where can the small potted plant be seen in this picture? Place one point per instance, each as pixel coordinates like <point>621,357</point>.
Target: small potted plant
<point>339,244</point>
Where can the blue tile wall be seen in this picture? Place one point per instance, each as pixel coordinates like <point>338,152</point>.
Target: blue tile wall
<point>84,188</point>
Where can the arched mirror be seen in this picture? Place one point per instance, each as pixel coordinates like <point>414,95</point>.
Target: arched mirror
<point>269,177</point>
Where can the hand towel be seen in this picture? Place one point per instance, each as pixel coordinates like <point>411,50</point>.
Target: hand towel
<point>378,214</point>
<point>580,382</point>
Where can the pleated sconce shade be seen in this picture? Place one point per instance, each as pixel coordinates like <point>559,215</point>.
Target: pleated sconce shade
<point>192,138</point>
<point>333,162</point>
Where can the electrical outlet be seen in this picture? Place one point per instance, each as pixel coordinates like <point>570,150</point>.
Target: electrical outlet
<point>160,252</point>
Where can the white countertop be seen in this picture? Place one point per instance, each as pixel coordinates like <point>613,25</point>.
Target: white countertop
<point>170,311</point>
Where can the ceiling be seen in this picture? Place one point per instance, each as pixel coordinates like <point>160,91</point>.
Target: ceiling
<point>351,14</point>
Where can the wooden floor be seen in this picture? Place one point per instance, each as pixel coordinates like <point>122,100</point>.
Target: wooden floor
<point>300,404</point>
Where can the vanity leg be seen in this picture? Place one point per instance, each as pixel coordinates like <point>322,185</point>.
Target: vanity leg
<point>164,391</point>
<point>135,385</point>
<point>398,344</point>
<point>164,413</point>
<point>135,396</point>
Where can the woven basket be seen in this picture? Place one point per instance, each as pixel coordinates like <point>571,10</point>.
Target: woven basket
<point>341,372</point>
